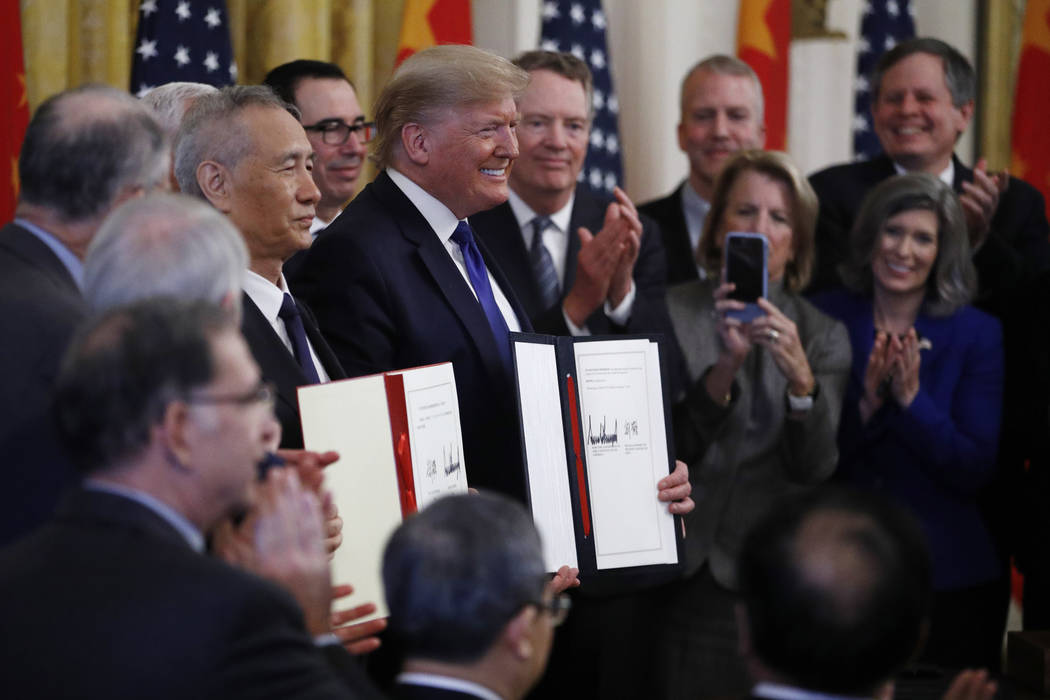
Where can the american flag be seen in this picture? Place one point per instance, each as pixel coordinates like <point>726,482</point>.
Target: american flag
<point>883,24</point>
<point>182,40</point>
<point>578,27</point>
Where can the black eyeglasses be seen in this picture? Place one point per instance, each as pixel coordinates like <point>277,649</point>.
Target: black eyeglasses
<point>557,607</point>
<point>335,132</point>
<point>263,392</point>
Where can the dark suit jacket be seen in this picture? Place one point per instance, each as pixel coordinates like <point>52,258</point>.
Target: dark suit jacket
<point>1016,249</point>
<point>388,296</point>
<point>279,365</point>
<point>499,229</point>
<point>667,212</point>
<point>108,601</point>
<point>41,306</point>
<point>936,455</point>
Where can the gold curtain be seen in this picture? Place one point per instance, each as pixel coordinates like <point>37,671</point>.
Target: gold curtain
<point>70,42</point>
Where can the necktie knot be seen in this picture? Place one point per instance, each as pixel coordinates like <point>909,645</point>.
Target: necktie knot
<point>463,235</point>
<point>288,308</point>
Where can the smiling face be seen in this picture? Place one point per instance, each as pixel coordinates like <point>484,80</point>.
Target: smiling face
<point>272,192</point>
<point>719,117</point>
<point>758,203</point>
<point>468,156</point>
<point>552,137</point>
<point>336,167</point>
<point>905,252</point>
<point>914,117</point>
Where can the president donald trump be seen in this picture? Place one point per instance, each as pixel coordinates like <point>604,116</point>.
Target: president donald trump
<point>399,280</point>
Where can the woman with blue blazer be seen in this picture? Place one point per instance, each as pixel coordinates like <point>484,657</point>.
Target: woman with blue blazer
<point>922,408</point>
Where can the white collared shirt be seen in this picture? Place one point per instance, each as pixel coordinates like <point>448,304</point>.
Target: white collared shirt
<point>431,680</point>
<point>947,175</point>
<point>318,224</point>
<point>184,527</point>
<point>443,223</point>
<point>269,297</point>
<point>777,691</point>
<point>556,241</point>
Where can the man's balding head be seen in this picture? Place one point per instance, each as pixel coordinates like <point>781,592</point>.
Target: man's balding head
<point>88,149</point>
<point>836,586</point>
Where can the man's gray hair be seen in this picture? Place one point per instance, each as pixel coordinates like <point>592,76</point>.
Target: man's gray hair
<point>165,245</point>
<point>721,64</point>
<point>170,101</point>
<point>87,146</point>
<point>211,130</point>
<point>457,572</point>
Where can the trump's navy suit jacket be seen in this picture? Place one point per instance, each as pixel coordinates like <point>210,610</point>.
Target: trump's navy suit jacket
<point>387,295</point>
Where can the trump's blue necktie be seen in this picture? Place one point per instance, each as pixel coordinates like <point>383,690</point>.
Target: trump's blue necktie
<point>479,280</point>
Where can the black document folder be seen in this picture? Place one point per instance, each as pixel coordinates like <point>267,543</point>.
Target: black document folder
<point>596,438</point>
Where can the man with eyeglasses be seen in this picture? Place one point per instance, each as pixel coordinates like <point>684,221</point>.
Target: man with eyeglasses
<point>167,417</point>
<point>335,124</point>
<point>468,600</point>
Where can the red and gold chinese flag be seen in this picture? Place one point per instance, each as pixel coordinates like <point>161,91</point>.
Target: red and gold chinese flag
<point>14,108</point>
<point>432,22</point>
<point>763,41</point>
<point>1031,137</point>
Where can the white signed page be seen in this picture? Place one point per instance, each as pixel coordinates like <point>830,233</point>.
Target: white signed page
<point>624,436</point>
<point>438,467</point>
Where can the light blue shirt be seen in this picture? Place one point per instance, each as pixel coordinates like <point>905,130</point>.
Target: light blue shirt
<point>695,208</point>
<point>71,262</point>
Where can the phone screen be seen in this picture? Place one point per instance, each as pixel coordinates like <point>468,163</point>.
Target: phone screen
<point>744,258</point>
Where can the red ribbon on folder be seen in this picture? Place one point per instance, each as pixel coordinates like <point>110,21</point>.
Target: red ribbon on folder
<point>574,419</point>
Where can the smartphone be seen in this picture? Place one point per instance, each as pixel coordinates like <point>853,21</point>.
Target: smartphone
<point>746,260</point>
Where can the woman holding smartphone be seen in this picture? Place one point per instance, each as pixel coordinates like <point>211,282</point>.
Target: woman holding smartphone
<point>922,411</point>
<point>758,416</point>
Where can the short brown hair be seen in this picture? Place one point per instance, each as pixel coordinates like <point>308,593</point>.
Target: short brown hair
<point>953,279</point>
<point>560,63</point>
<point>781,168</point>
<point>437,79</point>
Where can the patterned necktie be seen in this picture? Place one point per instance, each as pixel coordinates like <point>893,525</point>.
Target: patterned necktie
<point>542,265</point>
<point>479,280</point>
<point>293,323</point>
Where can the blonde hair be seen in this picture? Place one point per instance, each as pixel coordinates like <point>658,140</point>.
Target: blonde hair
<point>434,80</point>
<point>781,168</point>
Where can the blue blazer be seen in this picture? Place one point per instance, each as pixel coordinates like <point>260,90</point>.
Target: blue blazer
<point>935,455</point>
<point>387,296</point>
